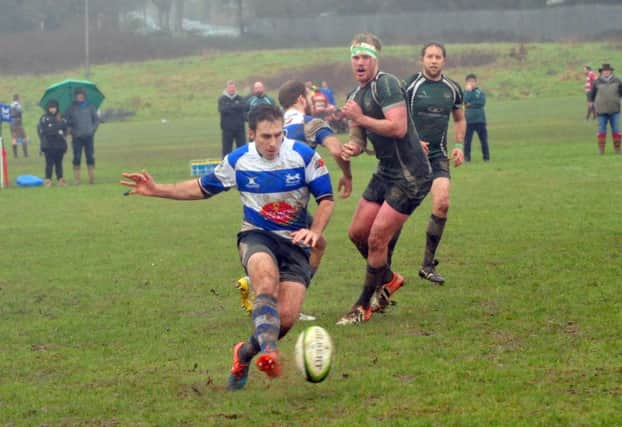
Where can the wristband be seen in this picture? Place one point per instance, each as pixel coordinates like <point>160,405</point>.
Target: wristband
<point>458,145</point>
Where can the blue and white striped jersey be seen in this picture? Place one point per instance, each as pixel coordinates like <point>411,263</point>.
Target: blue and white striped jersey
<point>305,128</point>
<point>275,193</point>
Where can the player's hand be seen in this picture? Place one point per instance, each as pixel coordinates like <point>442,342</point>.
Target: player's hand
<point>352,111</point>
<point>306,237</point>
<point>425,146</point>
<point>350,149</point>
<point>345,187</point>
<point>457,156</point>
<point>140,183</point>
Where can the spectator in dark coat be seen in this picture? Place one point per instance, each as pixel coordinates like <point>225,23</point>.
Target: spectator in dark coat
<point>83,121</point>
<point>474,102</point>
<point>51,129</point>
<point>259,97</point>
<point>232,108</point>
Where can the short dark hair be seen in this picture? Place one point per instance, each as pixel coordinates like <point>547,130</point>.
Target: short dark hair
<point>587,67</point>
<point>470,76</point>
<point>290,91</point>
<point>367,37</point>
<point>264,113</point>
<point>78,91</point>
<point>440,45</point>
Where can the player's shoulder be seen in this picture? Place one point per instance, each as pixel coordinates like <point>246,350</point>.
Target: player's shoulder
<point>451,83</point>
<point>410,82</point>
<point>299,148</point>
<point>233,158</point>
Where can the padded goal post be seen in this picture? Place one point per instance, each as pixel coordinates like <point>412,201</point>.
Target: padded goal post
<point>5,116</point>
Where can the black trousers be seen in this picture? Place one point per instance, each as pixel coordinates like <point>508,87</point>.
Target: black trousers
<point>228,136</point>
<point>482,132</point>
<point>54,159</point>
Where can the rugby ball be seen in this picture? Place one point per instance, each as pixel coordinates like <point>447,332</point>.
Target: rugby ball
<point>314,353</point>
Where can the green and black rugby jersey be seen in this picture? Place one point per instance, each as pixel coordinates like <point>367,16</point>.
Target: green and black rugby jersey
<point>398,157</point>
<point>430,104</point>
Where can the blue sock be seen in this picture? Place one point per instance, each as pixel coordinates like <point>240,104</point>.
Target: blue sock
<point>267,321</point>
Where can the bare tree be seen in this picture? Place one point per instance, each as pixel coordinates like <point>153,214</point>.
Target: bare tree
<point>179,16</point>
<point>164,13</point>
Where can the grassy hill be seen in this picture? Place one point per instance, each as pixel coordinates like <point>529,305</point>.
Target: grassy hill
<point>189,87</point>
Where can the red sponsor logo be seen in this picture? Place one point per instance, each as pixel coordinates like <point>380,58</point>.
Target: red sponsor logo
<point>319,163</point>
<point>279,212</point>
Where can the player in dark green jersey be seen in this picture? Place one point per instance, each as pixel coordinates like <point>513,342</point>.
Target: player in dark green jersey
<point>377,111</point>
<point>432,98</point>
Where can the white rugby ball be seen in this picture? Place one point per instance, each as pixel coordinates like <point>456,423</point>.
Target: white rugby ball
<point>314,353</point>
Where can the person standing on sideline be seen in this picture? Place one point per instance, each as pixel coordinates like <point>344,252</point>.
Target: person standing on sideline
<point>474,103</point>
<point>432,98</point>
<point>258,97</point>
<point>377,111</point>
<point>604,97</point>
<point>231,107</point>
<point>83,121</point>
<point>590,77</point>
<point>51,129</point>
<point>276,178</point>
<point>18,135</point>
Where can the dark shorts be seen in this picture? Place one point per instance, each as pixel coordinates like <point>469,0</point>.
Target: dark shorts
<point>440,167</point>
<point>292,260</point>
<point>401,195</point>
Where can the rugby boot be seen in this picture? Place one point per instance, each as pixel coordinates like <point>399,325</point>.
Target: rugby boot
<point>243,285</point>
<point>239,372</point>
<point>382,296</point>
<point>357,315</point>
<point>268,362</point>
<point>429,273</point>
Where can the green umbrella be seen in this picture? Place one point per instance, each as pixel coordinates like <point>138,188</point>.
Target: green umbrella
<point>63,93</point>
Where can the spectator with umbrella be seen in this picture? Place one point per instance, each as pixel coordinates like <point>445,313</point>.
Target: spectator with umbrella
<point>80,100</point>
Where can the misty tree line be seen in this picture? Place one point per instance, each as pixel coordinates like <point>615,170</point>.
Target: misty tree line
<point>49,15</point>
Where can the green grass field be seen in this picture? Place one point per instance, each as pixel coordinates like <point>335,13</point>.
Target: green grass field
<point>121,310</point>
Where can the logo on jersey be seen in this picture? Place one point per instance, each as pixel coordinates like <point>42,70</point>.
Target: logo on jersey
<point>252,182</point>
<point>292,179</point>
<point>319,163</point>
<point>422,94</point>
<point>279,212</point>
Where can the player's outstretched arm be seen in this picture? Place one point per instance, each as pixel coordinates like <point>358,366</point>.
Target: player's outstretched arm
<point>143,184</point>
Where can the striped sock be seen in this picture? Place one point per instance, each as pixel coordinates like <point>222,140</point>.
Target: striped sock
<point>267,321</point>
<point>249,350</point>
